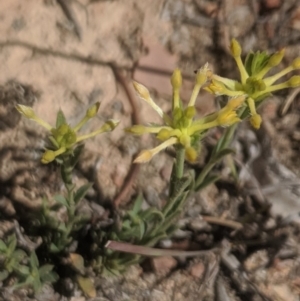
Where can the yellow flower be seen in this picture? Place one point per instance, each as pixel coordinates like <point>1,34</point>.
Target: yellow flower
<point>253,82</point>
<point>181,129</point>
<point>63,137</point>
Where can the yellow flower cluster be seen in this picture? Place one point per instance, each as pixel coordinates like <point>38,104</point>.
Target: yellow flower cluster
<point>181,128</point>
<point>63,137</point>
<point>253,83</point>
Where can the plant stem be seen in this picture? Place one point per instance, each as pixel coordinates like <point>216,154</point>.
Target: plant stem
<point>208,167</point>
<point>179,167</point>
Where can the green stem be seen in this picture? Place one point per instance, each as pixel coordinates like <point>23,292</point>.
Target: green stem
<point>223,143</point>
<point>208,167</point>
<point>179,167</point>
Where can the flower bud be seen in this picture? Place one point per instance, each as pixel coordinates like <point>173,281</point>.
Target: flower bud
<point>48,156</point>
<point>177,114</point>
<point>276,58</point>
<point>62,130</point>
<point>190,112</point>
<point>92,111</point>
<point>255,121</point>
<point>235,48</point>
<point>163,134</point>
<point>142,91</point>
<point>70,138</point>
<point>136,130</point>
<point>143,157</point>
<point>110,125</point>
<point>26,111</point>
<point>235,102</point>
<point>227,117</point>
<point>260,85</point>
<point>176,79</point>
<point>201,76</point>
<point>296,63</point>
<point>294,81</point>
<point>191,154</point>
<point>185,140</point>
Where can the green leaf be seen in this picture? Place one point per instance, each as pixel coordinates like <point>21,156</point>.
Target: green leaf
<point>34,262</point>
<point>60,118</point>
<point>45,269</point>
<point>135,219</point>
<point>22,270</point>
<point>220,155</point>
<point>61,200</point>
<point>62,227</point>
<point>152,214</point>
<point>207,181</point>
<point>3,247</point>
<point>142,230</point>
<point>126,225</point>
<point>36,283</point>
<point>12,243</point>
<point>81,192</point>
<point>86,286</point>
<point>138,203</point>
<point>76,154</point>
<point>19,255</point>
<point>3,275</point>
<point>53,248</point>
<point>50,277</point>
<point>255,62</point>
<point>224,141</point>
<point>152,241</point>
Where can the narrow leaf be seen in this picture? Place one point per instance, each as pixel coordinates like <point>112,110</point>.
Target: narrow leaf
<point>45,269</point>
<point>138,203</point>
<point>152,214</point>
<point>220,155</point>
<point>50,277</point>
<point>22,270</point>
<point>76,154</point>
<point>81,192</point>
<point>3,247</point>
<point>19,255</point>
<point>225,140</point>
<point>54,248</point>
<point>60,118</point>
<point>12,243</point>
<point>34,262</point>
<point>142,229</point>
<point>61,200</point>
<point>207,181</point>
<point>36,283</point>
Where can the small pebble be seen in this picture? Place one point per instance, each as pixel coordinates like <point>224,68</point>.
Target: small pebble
<point>163,265</point>
<point>197,270</point>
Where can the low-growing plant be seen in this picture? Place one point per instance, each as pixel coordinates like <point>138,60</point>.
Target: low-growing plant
<point>137,227</point>
<point>21,268</point>
<point>183,131</point>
